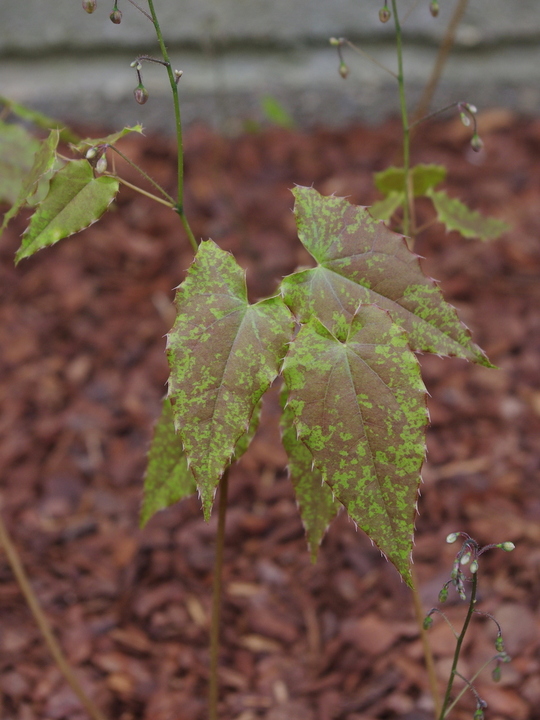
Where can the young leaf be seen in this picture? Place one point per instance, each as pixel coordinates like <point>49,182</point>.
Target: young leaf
<point>362,261</point>
<point>470,223</point>
<point>39,119</point>
<point>360,407</point>
<point>315,499</point>
<point>384,209</point>
<point>223,354</point>
<point>424,177</point>
<point>75,200</point>
<point>112,139</point>
<point>168,478</point>
<point>44,161</point>
<point>17,150</point>
<point>275,112</point>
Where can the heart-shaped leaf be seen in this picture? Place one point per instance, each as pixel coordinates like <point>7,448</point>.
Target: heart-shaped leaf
<point>168,478</point>
<point>75,200</point>
<point>223,353</point>
<point>44,161</point>
<point>360,407</point>
<point>384,209</point>
<point>17,151</point>
<point>469,223</point>
<point>112,139</point>
<point>362,261</point>
<point>423,178</point>
<point>315,499</point>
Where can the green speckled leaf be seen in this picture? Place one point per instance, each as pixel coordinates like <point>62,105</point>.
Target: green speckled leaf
<point>315,499</point>
<point>87,143</point>
<point>360,407</point>
<point>223,354</point>
<point>424,177</point>
<point>75,200</point>
<point>167,478</point>
<point>470,223</point>
<point>44,161</point>
<point>17,150</point>
<point>362,261</point>
<point>384,209</point>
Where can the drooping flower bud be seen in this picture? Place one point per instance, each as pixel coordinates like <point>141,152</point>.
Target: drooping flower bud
<point>101,164</point>
<point>451,538</point>
<point>428,622</point>
<point>434,8</point>
<point>499,644</point>
<point>496,673</point>
<point>443,595</point>
<point>141,94</point>
<point>116,16</point>
<point>343,70</point>
<point>384,14</point>
<point>477,144</point>
<point>89,6</point>
<point>507,546</point>
<point>91,153</point>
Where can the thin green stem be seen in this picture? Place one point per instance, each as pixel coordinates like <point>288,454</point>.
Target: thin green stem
<point>141,191</point>
<point>434,114</point>
<point>216,599</point>
<point>469,682</point>
<point>472,602</point>
<point>426,647</point>
<point>369,57</point>
<point>43,624</point>
<point>405,124</point>
<point>178,123</point>
<point>145,175</point>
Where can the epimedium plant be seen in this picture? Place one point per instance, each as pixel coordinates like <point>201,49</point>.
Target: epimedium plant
<point>343,334</point>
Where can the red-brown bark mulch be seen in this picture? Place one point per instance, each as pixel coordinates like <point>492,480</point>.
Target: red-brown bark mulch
<point>83,371</point>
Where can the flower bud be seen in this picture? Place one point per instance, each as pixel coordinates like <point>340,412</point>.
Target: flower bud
<point>177,75</point>
<point>89,6</point>
<point>384,14</point>
<point>116,16</point>
<point>507,546</point>
<point>496,673</point>
<point>343,70</point>
<point>465,119</point>
<point>101,164</point>
<point>335,42</point>
<point>91,154</point>
<point>451,538</point>
<point>474,567</point>
<point>499,644</point>
<point>477,144</point>
<point>141,94</point>
<point>465,558</point>
<point>443,595</point>
<point>434,8</point>
<point>478,714</point>
<point>428,622</point>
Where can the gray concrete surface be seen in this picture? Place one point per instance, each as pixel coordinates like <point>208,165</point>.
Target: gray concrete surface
<point>55,57</point>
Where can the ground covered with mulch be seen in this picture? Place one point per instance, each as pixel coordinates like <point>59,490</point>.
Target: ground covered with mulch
<point>83,372</point>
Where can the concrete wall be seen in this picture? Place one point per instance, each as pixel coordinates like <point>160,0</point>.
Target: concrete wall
<point>56,57</point>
